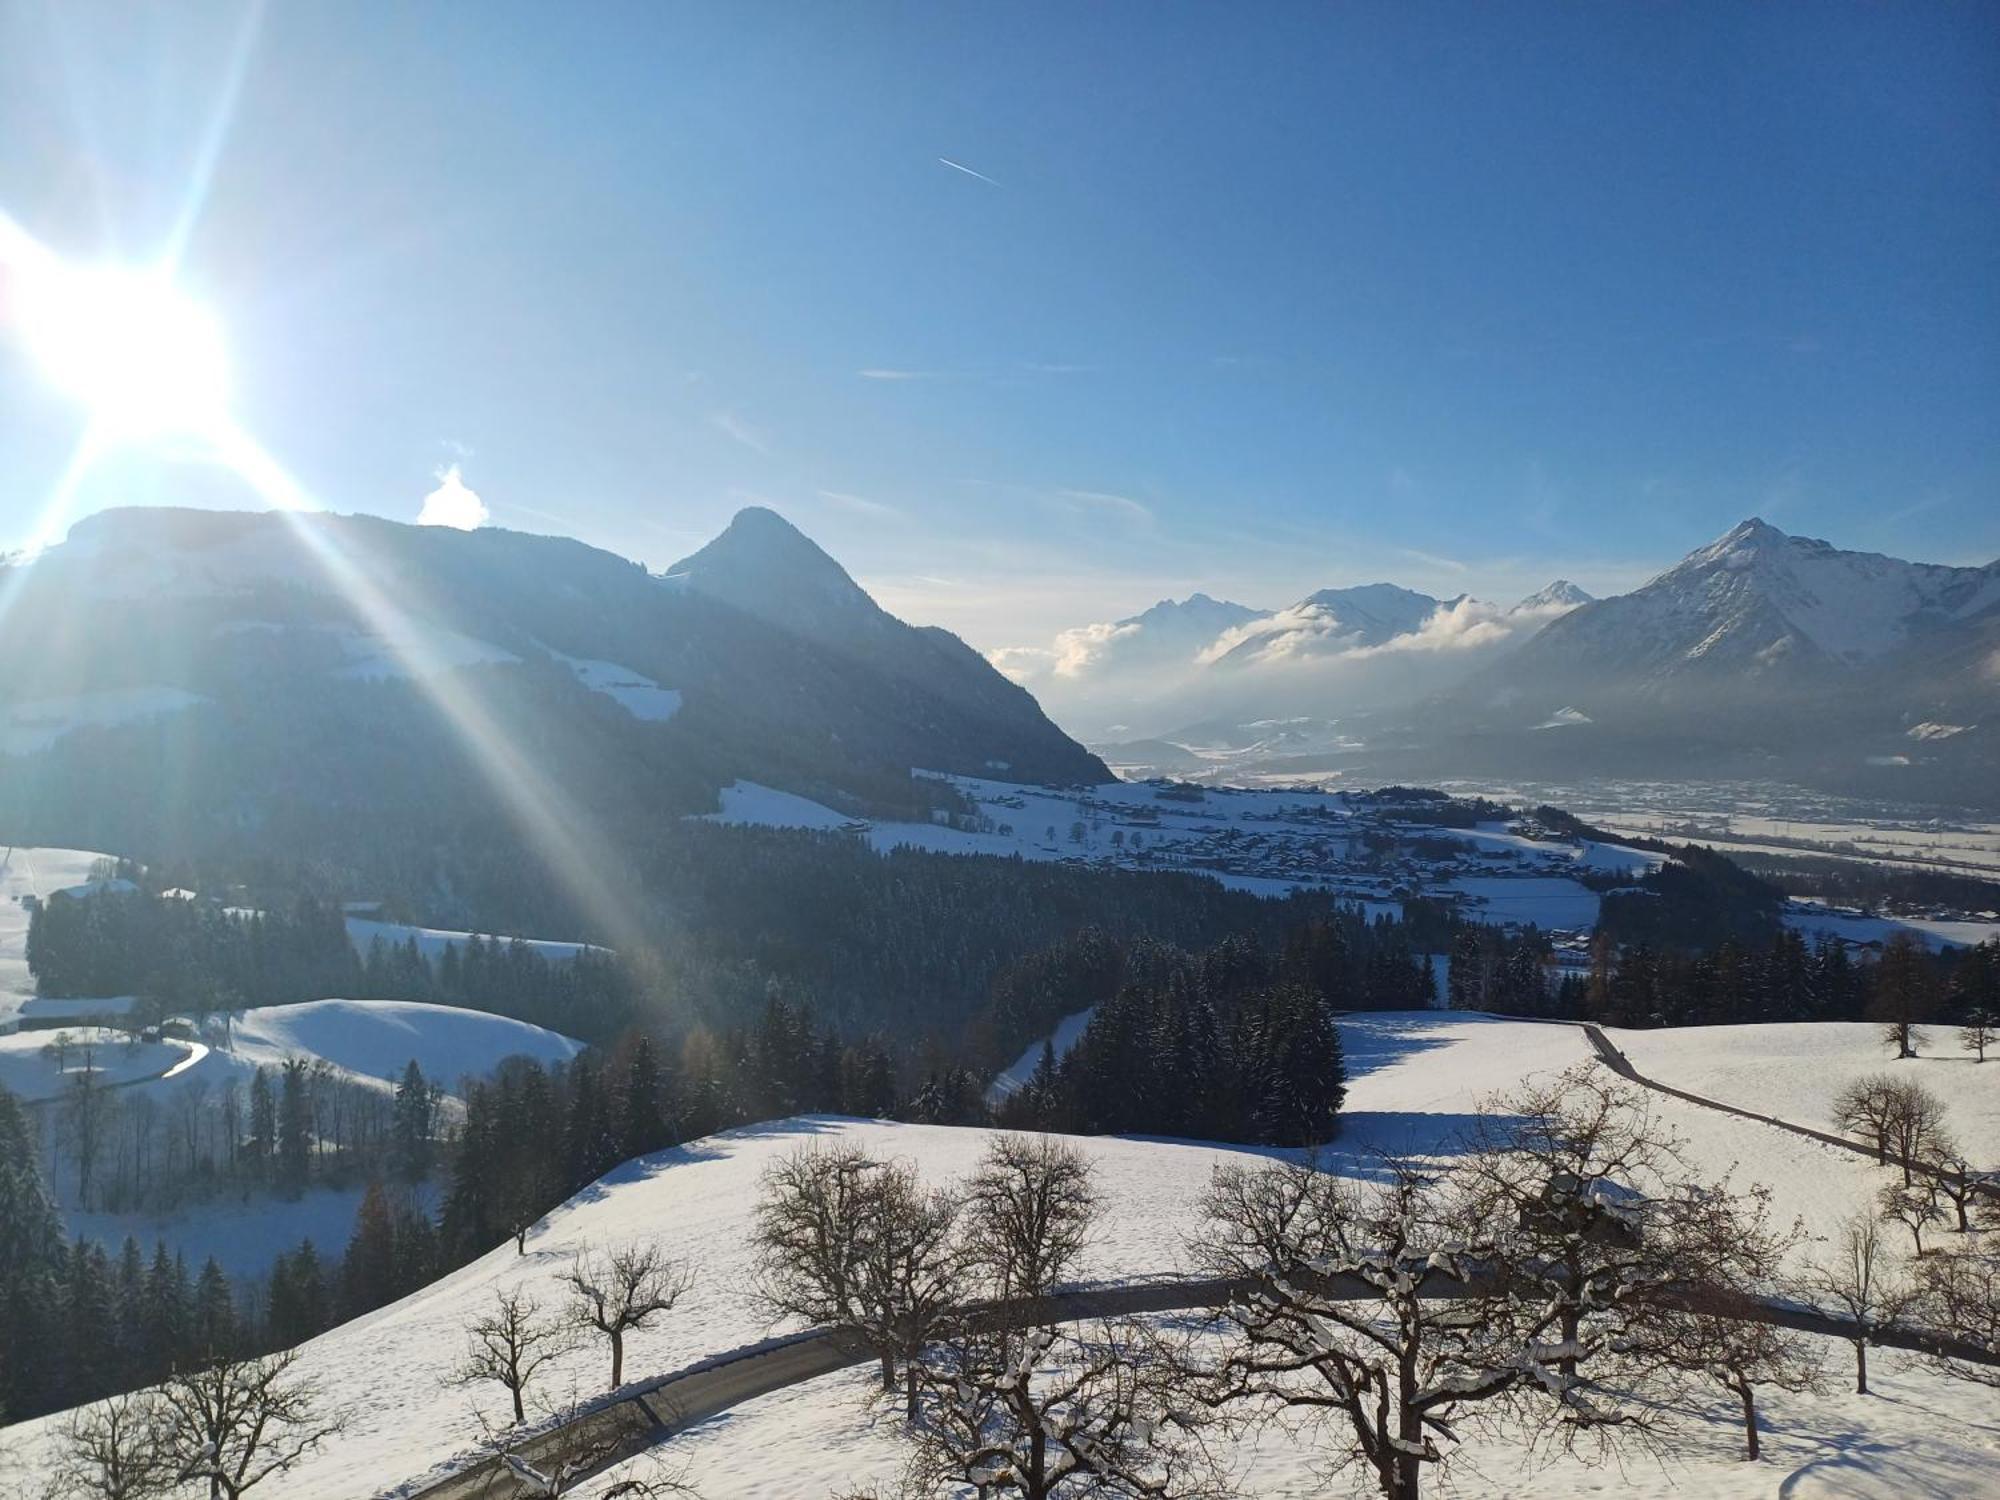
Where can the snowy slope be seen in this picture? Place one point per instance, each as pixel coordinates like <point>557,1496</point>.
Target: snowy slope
<point>38,873</point>
<point>432,941</point>
<point>32,1069</point>
<point>374,1039</point>
<point>1793,1070</point>
<point>1415,1079</point>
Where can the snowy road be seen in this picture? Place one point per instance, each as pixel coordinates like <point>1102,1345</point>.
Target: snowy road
<point>628,1422</point>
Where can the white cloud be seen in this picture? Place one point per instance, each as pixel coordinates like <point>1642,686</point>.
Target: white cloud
<point>453,503</point>
<point>879,373</point>
<point>1022,664</point>
<point>1080,649</point>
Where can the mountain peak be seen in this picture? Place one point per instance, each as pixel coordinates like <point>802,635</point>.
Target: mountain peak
<point>1561,593</point>
<point>765,566</point>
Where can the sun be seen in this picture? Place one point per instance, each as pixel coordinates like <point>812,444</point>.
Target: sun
<point>144,358</point>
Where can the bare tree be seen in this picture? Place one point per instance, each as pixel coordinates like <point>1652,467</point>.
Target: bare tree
<point>1030,1209</point>
<point>622,1289</point>
<point>111,1450</point>
<point>1960,1292</point>
<point>1901,1119</point>
<point>1866,1107</point>
<point>1593,1208</point>
<point>235,1423</point>
<point>1956,1180</point>
<point>1709,1332</point>
<point>1916,1125</point>
<point>845,1239</point>
<point>1915,1208</point>
<point>912,1280</point>
<point>509,1343</point>
<point>1047,1415</point>
<point>1980,1031</point>
<point>1344,1325</point>
<point>1859,1279</point>
<point>811,1222</point>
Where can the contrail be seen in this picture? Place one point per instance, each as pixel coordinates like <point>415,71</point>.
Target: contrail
<point>961,167</point>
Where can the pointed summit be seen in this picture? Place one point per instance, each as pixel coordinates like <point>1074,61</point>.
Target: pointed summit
<point>765,566</point>
<point>1560,594</point>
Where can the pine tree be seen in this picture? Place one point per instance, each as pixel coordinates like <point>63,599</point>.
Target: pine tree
<point>294,1128</point>
<point>368,1273</point>
<point>213,1327</point>
<point>414,1121</point>
<point>642,1123</point>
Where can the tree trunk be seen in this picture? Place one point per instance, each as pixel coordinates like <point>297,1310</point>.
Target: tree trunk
<point>1860,1367</point>
<point>888,1373</point>
<point>910,1390</point>
<point>617,1358</point>
<point>520,1416</point>
<point>1749,1399</point>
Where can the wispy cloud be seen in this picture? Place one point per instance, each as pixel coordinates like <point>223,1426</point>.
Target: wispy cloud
<point>860,505</point>
<point>1433,560</point>
<point>879,373</point>
<point>735,428</point>
<point>1054,367</point>
<point>959,166</point>
<point>1121,505</point>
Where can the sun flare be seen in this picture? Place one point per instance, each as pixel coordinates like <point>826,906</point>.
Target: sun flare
<point>142,356</point>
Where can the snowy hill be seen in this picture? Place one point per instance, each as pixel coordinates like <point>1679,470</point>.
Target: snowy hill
<point>1415,1080</point>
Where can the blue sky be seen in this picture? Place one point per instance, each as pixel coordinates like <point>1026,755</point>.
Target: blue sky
<point>1249,299</point>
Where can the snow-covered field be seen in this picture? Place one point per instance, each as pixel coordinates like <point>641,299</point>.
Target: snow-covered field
<point>1815,918</point>
<point>33,1065</point>
<point>1416,1078</point>
<point>1267,842</point>
<point>373,1040</point>
<point>38,873</point>
<point>1794,1071</point>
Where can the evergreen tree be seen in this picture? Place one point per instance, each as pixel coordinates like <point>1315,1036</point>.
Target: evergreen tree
<point>413,1123</point>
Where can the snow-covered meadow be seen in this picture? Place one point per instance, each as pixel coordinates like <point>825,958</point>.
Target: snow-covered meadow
<point>1416,1080</point>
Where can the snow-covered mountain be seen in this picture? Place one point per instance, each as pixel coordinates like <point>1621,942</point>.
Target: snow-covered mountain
<point>1339,650</point>
<point>1756,601</point>
<point>1371,614</point>
<point>1768,653</point>
<point>356,687</point>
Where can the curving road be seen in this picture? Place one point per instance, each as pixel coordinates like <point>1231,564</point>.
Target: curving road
<point>628,1422</point>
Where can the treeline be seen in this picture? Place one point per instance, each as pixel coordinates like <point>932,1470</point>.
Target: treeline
<point>911,943</point>
<point>1235,1043</point>
<point>78,1323</point>
<point>1850,882</point>
<point>196,958</point>
<point>1785,978</point>
<point>289,1127</point>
